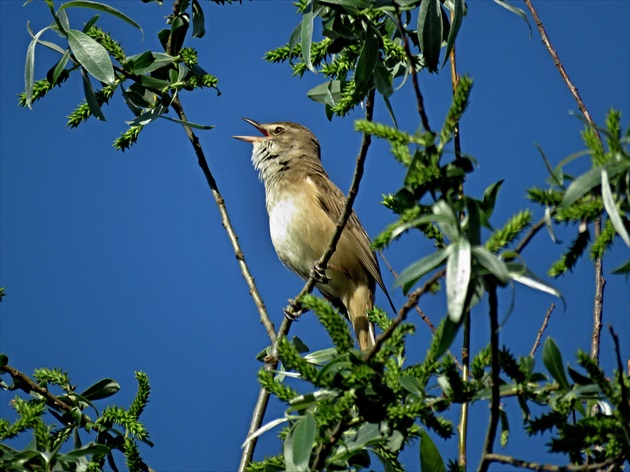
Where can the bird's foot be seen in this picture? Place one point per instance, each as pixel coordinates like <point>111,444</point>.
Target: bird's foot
<point>319,274</point>
<point>294,310</point>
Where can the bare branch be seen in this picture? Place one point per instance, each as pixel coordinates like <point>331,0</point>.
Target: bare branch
<point>598,300</point>
<point>542,329</point>
<point>544,467</point>
<point>494,382</point>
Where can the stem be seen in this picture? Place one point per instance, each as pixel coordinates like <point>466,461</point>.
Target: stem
<point>462,428</point>
<point>598,302</point>
<point>225,220</point>
<point>542,329</point>
<point>272,361</point>
<point>599,279</point>
<point>545,467</point>
<point>414,76</point>
<point>494,382</point>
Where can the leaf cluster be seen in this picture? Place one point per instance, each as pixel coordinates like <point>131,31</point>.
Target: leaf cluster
<point>600,194</point>
<point>363,46</point>
<point>62,446</point>
<point>148,82</point>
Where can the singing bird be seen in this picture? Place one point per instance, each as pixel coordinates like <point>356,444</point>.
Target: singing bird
<point>304,207</point>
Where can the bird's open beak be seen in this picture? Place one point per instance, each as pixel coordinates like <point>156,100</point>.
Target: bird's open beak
<point>253,139</point>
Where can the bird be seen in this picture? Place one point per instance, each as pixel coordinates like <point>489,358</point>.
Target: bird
<point>304,206</point>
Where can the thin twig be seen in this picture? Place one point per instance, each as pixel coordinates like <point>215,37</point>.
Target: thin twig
<point>412,301</point>
<point>598,303</point>
<point>598,300</point>
<point>414,76</point>
<point>24,383</point>
<point>494,372</point>
<point>529,236</point>
<point>545,467</point>
<point>225,220</point>
<point>272,361</point>
<point>563,73</point>
<point>542,329</point>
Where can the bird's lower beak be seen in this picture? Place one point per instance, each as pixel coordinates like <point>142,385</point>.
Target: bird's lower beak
<point>253,139</point>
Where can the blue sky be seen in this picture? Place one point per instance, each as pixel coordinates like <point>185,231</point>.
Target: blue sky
<point>118,262</point>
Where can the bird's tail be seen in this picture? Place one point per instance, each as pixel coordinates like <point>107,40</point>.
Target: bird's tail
<point>359,303</point>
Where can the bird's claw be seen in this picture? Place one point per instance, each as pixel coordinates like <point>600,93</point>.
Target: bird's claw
<point>294,310</point>
<point>319,274</point>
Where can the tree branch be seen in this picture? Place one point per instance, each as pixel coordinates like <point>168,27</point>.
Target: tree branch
<point>414,76</point>
<point>542,329</point>
<point>598,303</point>
<point>544,467</point>
<point>494,382</point>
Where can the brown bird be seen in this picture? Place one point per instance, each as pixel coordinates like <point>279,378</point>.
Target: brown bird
<point>304,207</point>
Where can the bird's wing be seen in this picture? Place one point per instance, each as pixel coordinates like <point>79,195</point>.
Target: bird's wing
<point>332,201</point>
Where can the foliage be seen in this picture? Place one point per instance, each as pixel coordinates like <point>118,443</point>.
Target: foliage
<point>348,408</point>
<point>62,446</point>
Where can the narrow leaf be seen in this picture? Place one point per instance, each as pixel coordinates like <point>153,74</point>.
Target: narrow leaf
<point>458,16</point>
<point>101,7</point>
<point>611,208</point>
<point>491,263</point>
<point>29,67</point>
<point>90,97</point>
<point>458,269</point>
<point>516,11</point>
<point>552,358</point>
<point>307,35</point>
<point>101,389</point>
<point>303,442</point>
<point>92,56</point>
<point>367,59</point>
<point>419,268</point>
<point>264,429</point>
<point>580,186</point>
<point>430,32</point>
<point>187,123</point>
<point>199,29</point>
<point>430,458</point>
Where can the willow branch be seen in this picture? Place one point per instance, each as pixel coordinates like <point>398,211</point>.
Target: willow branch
<point>598,303</point>
<point>545,467</point>
<point>414,73</point>
<point>542,329</point>
<point>272,361</point>
<point>494,382</point>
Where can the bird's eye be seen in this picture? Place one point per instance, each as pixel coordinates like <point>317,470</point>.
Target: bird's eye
<point>278,130</point>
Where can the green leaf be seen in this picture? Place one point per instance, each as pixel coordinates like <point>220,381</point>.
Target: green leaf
<point>187,123</point>
<point>430,32</point>
<point>101,7</point>
<point>536,284</point>
<point>367,59</point>
<point>430,458</point>
<point>306,35</point>
<point>580,186</point>
<point>458,16</point>
<point>490,197</point>
<point>101,389</point>
<point>328,92</point>
<point>199,30</point>
<point>516,11</point>
<point>411,384</point>
<point>148,62</point>
<point>29,67</point>
<point>61,65</point>
<point>458,270</point>
<point>383,81</point>
<point>611,208</point>
<point>450,225</point>
<point>446,333</point>
<point>92,56</point>
<point>300,443</point>
<point>491,263</point>
<point>579,378</point>
<point>90,97</point>
<point>415,271</point>
<point>622,269</point>
<point>552,358</point>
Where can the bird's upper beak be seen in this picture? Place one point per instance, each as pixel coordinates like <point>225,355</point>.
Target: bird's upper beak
<point>253,139</point>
